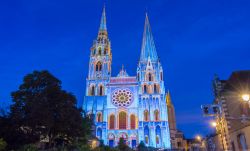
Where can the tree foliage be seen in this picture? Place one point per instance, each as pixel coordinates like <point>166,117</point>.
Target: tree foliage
<point>122,146</point>
<point>42,110</point>
<point>142,146</point>
<point>3,144</point>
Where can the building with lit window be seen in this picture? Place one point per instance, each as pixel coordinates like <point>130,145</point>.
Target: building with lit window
<point>233,123</point>
<point>131,107</point>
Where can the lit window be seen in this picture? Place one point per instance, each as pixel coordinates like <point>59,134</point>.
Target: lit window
<point>101,90</point>
<point>92,90</point>
<point>99,117</point>
<point>99,51</point>
<point>146,115</point>
<point>150,77</point>
<point>155,88</point>
<point>146,139</point>
<point>156,113</point>
<point>112,122</point>
<point>132,121</point>
<point>98,66</point>
<point>145,89</point>
<point>157,139</point>
<point>122,120</point>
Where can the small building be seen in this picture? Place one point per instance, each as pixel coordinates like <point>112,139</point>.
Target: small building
<point>233,122</point>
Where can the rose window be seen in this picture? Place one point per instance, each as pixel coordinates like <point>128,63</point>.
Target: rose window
<point>122,97</point>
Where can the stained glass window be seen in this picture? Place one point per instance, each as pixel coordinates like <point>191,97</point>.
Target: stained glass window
<point>101,90</point>
<point>92,90</point>
<point>122,97</point>
<point>146,115</point>
<point>157,139</point>
<point>132,121</point>
<point>98,66</point>
<point>99,117</point>
<point>156,113</point>
<point>146,139</point>
<point>112,122</point>
<point>122,120</point>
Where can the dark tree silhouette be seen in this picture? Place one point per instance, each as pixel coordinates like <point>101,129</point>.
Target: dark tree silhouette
<point>42,110</point>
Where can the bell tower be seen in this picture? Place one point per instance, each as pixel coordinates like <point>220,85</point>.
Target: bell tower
<point>152,106</point>
<point>149,69</point>
<point>100,61</point>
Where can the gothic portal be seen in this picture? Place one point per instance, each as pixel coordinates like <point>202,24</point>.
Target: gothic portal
<point>131,107</point>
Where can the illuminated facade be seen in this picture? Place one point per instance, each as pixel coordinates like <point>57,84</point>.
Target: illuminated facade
<point>132,107</point>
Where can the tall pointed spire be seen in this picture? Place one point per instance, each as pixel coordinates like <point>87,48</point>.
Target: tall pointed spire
<point>103,25</point>
<point>148,49</point>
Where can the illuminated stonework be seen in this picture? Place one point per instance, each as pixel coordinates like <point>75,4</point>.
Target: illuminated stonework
<point>122,97</point>
<point>128,107</point>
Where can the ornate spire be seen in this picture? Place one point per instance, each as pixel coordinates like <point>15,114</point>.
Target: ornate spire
<point>103,25</point>
<point>148,49</point>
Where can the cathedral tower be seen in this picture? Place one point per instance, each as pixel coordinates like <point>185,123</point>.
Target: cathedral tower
<point>100,62</point>
<point>152,106</point>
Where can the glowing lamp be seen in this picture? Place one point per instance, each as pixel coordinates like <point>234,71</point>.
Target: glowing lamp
<point>213,124</point>
<point>245,97</point>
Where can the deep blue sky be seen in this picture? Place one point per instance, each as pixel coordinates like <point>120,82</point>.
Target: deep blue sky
<point>194,38</point>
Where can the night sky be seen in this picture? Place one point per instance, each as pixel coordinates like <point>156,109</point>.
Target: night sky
<point>195,39</point>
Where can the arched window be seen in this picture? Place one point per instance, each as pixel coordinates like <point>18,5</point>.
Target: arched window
<point>146,115</point>
<point>99,133</point>
<point>161,76</point>
<point>146,139</point>
<point>145,89</point>
<point>242,142</point>
<point>122,120</point>
<point>138,76</point>
<point>93,52</point>
<point>146,134</point>
<point>98,66</point>
<point>150,78</point>
<point>132,122</point>
<point>101,90</point>
<point>92,90</point>
<point>99,51</point>
<point>157,139</point>
<point>149,89</point>
<point>155,88</point>
<point>99,117</point>
<point>156,115</point>
<point>158,134</point>
<point>112,121</point>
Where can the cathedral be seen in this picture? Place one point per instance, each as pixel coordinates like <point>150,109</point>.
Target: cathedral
<point>130,107</point>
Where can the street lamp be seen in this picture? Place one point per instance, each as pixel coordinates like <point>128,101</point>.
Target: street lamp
<point>198,138</point>
<point>213,124</point>
<point>246,97</point>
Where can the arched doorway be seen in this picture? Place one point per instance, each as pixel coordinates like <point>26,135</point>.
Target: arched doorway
<point>133,141</point>
<point>124,136</point>
<point>111,138</point>
<point>99,133</point>
<point>158,136</point>
<point>146,134</point>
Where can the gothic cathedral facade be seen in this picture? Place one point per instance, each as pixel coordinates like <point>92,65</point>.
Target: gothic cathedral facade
<point>131,107</point>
